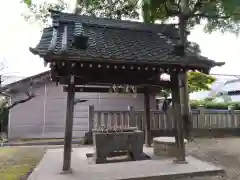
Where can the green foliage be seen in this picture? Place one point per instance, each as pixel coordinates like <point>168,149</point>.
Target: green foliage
<point>220,15</point>
<point>199,82</point>
<point>194,104</point>
<point>229,10</point>
<point>215,105</point>
<point>114,9</point>
<point>4,117</point>
<point>39,12</point>
<point>118,9</point>
<point>223,15</point>
<point>4,111</point>
<point>153,10</point>
<point>28,2</point>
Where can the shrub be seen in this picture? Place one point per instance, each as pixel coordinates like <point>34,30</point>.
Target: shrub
<point>4,119</point>
<point>236,106</point>
<point>194,104</point>
<point>215,105</point>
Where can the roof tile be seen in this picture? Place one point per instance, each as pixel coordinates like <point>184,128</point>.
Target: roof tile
<point>116,40</point>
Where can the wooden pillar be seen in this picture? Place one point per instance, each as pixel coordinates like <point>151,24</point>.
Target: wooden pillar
<point>90,118</point>
<point>178,121</point>
<point>186,110</point>
<point>69,126</point>
<point>147,118</point>
<point>88,137</point>
<point>132,117</point>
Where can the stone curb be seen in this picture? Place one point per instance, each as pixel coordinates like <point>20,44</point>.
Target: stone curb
<point>56,143</point>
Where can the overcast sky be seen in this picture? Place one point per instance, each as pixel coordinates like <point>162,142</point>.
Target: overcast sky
<point>17,36</point>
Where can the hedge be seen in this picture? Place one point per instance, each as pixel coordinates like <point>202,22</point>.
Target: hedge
<point>4,119</point>
<point>214,105</point>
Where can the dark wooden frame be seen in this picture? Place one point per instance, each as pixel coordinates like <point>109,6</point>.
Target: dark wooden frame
<point>90,70</point>
<point>95,77</point>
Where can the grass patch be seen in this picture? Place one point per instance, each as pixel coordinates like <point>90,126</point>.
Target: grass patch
<point>42,140</point>
<point>16,163</point>
<point>46,140</point>
<point>7,151</point>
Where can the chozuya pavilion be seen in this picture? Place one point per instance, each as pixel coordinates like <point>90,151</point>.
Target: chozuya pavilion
<point>88,54</point>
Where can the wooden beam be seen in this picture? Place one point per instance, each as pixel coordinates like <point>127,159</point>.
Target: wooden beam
<point>80,66</point>
<point>69,126</point>
<point>111,80</point>
<point>178,121</point>
<point>99,89</point>
<point>147,118</point>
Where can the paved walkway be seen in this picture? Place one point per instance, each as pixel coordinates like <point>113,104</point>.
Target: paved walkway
<point>156,168</point>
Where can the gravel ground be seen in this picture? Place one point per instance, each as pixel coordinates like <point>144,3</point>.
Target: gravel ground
<point>224,152</point>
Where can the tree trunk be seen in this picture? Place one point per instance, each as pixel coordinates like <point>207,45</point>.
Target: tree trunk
<point>186,110</point>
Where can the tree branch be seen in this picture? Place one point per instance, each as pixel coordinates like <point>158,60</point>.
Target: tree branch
<point>29,97</point>
<point>178,4</point>
<point>196,7</point>
<point>169,12</point>
<point>79,101</point>
<point>203,15</point>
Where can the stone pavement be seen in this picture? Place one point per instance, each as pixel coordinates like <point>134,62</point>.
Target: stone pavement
<point>153,169</point>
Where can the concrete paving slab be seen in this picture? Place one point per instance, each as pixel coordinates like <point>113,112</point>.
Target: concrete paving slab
<point>153,169</point>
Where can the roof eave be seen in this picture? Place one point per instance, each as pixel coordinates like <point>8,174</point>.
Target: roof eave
<point>219,64</point>
<point>5,94</point>
<point>34,51</point>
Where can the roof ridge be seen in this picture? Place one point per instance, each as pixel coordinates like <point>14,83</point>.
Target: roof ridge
<point>125,24</point>
<point>117,28</point>
<point>60,13</point>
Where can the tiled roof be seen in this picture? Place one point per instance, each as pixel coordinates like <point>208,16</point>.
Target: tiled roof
<point>22,85</point>
<point>114,40</point>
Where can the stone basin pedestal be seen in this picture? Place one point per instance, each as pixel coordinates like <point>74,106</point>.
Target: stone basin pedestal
<point>107,143</point>
<point>165,146</point>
